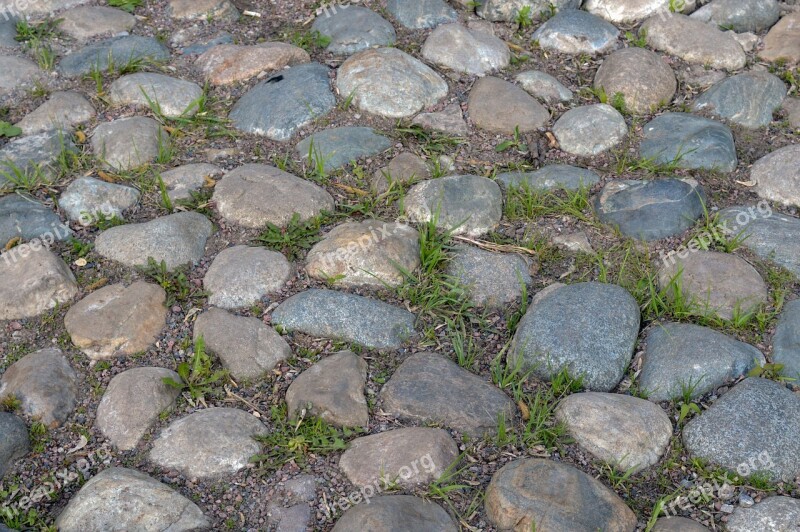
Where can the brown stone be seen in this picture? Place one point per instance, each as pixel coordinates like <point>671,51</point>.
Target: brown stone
<point>229,63</point>
<point>499,106</point>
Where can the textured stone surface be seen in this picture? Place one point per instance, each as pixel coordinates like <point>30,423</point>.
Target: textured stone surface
<point>396,512</point>
<point>551,177</point>
<point>85,22</point>
<point>22,216</point>
<point>246,346</point>
<point>389,82</point>
<point>176,239</point>
<point>465,204</point>
<point>203,10</point>
<point>15,73</point>
<point>547,495</point>
<point>786,340</point>
<point>777,175</point>
<point>590,129</point>
<point>428,387</point>
<point>626,11</point>
<point>507,10</point>
<point>747,99</point>
<point>116,51</point>
<point>62,110</point>
<point>685,357</point>
<point>574,31</point>
<point>86,199</point>
<point>132,403</point>
<point>404,168</point>
<point>588,328</point>
<point>128,143</point>
<point>180,182</point>
<point>45,384</point>
<point>283,103</point>
<point>32,282</point>
<point>466,51</point>
<point>409,456</point>
<point>340,146</point>
<point>228,63</point>
<point>493,280</point>
<point>714,283</point>
<point>208,443</point>
<point>678,524</point>
<point>256,194</point>
<point>644,79</point>
<point>173,97</point>
<point>353,28</point>
<point>352,318</point>
<point>778,513</point>
<point>241,275</point>
<point>448,120</point>
<point>755,427</point>
<point>693,41</point>
<point>332,389</point>
<point>34,154</point>
<point>117,320</point>
<point>626,432</point>
<point>740,16</point>
<point>124,499</point>
<point>689,142</point>
<point>369,253</point>
<point>783,40</point>
<point>543,86</point>
<point>422,14</point>
<point>651,210</point>
<point>770,235</point>
<point>14,440</point>
<point>499,106</point>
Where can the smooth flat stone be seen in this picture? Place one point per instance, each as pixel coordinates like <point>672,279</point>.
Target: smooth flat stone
<point>283,103</point>
<point>430,388</point>
<point>651,210</point>
<point>225,64</point>
<point>128,143</point>
<point>685,357</point>
<point>35,153</point>
<point>352,29</point>
<point>507,10</point>
<point>573,31</point>
<point>63,111</point>
<point>389,82</point>
<point>465,51</point>
<point>180,182</point>
<point>590,129</point>
<point>14,440</point>
<point>740,15</point>
<point>33,280</point>
<point>747,99</point>
<point>493,280</point>
<point>777,175</point>
<point>352,318</point>
<point>501,107</point>
<point>758,418</point>
<point>396,512</point>
<point>689,142</point>
<point>423,14</point>
<point>173,97</point>
<point>543,86</point>
<point>83,23</point>
<point>783,40</point>
<point>786,341</point>
<point>772,513</point>
<point>644,79</point>
<point>241,275</point>
<point>24,217</point>
<point>340,146</point>
<point>463,204</point>
<point>551,177</point>
<point>627,12</point>
<point>588,328</point>
<point>16,73</point>
<point>119,51</point>
<point>85,197</point>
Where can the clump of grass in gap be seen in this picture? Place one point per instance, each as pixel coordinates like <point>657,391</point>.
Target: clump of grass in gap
<point>297,236</point>
<point>203,113</point>
<point>299,440</point>
<point>174,282</point>
<point>430,143</point>
<point>197,376</point>
<point>526,203</point>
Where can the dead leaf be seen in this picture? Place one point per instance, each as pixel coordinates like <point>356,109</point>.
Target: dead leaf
<point>13,242</point>
<point>80,136</point>
<point>526,413</point>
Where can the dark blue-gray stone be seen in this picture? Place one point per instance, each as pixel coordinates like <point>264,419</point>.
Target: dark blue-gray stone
<point>588,328</point>
<point>332,314</point>
<point>8,30</point>
<point>650,210</point>
<point>684,356</point>
<point>280,105</point>
<point>118,51</point>
<point>747,99</point>
<point>14,441</point>
<point>786,341</point>
<point>574,31</point>
<point>690,141</point>
<point>353,28</point>
<point>755,427</point>
<point>200,48</point>
<point>26,218</point>
<point>770,235</point>
<point>421,14</point>
<point>33,154</point>
<point>552,177</point>
<point>740,15</point>
<point>339,146</point>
